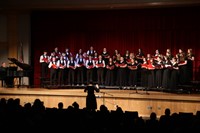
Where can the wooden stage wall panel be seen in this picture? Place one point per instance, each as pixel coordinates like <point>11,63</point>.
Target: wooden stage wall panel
<point>126,99</point>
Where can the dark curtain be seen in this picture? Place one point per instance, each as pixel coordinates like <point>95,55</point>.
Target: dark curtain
<point>148,29</point>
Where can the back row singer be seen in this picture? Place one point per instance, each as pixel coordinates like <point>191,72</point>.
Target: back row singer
<point>156,70</point>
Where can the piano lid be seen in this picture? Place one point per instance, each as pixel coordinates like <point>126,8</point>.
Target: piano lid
<point>23,66</point>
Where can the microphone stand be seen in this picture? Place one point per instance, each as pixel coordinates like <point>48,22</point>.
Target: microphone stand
<point>105,93</point>
<point>145,88</point>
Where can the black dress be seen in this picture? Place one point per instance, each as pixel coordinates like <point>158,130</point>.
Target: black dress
<point>132,77</point>
<point>121,74</point>
<point>190,67</point>
<point>174,77</point>
<point>91,103</point>
<point>144,75</point>
<point>109,78</point>
<point>166,75</point>
<point>151,76</point>
<point>158,75</point>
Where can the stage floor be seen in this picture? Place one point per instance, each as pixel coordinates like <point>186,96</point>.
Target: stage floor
<point>140,100</point>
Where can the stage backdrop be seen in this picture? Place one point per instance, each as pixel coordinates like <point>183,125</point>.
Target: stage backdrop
<point>148,29</point>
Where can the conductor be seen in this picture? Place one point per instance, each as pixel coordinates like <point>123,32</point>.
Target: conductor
<point>91,103</point>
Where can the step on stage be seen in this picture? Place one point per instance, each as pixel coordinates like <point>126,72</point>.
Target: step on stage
<point>140,99</point>
<point>188,89</point>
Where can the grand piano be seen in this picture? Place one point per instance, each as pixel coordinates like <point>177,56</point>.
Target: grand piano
<point>13,72</point>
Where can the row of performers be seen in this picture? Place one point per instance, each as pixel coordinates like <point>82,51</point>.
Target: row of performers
<point>161,74</point>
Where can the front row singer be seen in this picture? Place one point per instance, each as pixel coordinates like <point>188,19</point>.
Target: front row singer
<point>53,71</point>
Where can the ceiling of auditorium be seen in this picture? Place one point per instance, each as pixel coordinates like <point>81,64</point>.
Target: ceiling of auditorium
<point>91,4</point>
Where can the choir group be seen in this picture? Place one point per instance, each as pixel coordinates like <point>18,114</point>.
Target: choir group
<point>156,70</point>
